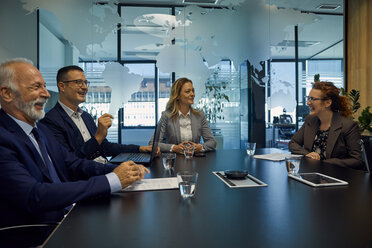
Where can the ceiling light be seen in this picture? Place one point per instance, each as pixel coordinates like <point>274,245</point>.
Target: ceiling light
<point>328,6</point>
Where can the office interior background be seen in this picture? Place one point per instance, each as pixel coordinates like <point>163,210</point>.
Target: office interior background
<point>252,62</point>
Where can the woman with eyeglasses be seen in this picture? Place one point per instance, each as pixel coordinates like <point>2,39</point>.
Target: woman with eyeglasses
<point>328,134</point>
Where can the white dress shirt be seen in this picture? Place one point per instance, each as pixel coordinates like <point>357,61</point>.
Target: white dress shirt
<point>185,126</point>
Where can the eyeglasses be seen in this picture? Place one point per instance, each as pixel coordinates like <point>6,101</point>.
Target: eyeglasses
<point>78,82</point>
<point>314,99</point>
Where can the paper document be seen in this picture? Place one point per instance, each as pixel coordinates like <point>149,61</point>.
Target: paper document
<point>272,156</point>
<point>154,184</point>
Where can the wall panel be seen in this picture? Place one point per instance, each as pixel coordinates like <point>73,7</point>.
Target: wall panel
<point>359,49</point>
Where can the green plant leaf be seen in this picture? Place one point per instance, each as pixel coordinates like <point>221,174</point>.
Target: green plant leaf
<point>365,119</point>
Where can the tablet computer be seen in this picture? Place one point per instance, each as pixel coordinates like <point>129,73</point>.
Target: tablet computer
<point>317,179</point>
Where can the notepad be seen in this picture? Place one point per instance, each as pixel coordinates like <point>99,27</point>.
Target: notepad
<point>153,184</point>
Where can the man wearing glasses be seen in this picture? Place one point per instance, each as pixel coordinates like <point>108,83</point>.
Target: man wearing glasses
<point>75,128</point>
<point>39,179</point>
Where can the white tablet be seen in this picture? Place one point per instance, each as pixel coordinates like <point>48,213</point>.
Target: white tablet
<point>317,179</point>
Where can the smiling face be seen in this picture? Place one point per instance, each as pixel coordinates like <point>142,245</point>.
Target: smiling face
<point>26,99</point>
<point>187,94</point>
<point>318,106</point>
<point>70,93</point>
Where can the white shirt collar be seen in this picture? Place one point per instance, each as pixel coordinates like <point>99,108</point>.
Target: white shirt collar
<point>27,128</point>
<point>69,111</point>
<point>187,114</point>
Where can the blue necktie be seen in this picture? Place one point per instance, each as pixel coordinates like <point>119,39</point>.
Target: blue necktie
<point>44,153</point>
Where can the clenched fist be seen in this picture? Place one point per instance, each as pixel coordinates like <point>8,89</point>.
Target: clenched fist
<point>128,172</point>
<point>104,123</point>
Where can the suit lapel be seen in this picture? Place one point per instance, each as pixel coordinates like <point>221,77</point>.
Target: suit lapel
<point>193,127</point>
<point>333,134</point>
<point>89,123</point>
<point>51,155</point>
<point>77,139</point>
<point>310,132</point>
<point>176,127</point>
<point>9,124</point>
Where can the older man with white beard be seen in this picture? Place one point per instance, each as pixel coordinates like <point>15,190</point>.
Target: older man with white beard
<point>39,179</point>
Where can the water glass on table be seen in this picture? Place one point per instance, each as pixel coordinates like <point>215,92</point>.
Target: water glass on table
<point>188,150</point>
<point>187,183</point>
<point>168,159</point>
<point>292,163</point>
<point>250,147</point>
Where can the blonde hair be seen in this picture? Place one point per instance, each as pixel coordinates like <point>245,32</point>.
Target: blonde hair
<point>173,104</point>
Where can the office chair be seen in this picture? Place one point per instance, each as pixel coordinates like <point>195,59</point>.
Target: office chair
<point>286,131</point>
<point>366,147</point>
<point>26,235</point>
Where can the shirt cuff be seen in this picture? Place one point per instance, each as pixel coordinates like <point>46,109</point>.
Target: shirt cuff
<point>114,182</point>
<point>171,148</point>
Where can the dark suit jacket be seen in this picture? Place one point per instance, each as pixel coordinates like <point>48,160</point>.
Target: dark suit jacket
<point>68,134</point>
<point>27,194</point>
<point>170,133</point>
<point>343,146</point>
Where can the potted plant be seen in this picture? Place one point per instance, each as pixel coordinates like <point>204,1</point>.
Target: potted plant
<point>212,105</point>
<point>365,122</point>
<point>365,118</point>
<point>212,101</point>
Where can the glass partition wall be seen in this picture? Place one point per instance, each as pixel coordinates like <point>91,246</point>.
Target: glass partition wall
<point>250,68</point>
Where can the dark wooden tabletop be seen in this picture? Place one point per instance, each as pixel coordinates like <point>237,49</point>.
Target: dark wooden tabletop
<point>286,213</point>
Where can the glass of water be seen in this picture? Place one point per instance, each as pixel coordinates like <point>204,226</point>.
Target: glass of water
<point>168,160</point>
<point>188,150</point>
<point>292,163</point>
<point>187,183</point>
<point>250,147</point>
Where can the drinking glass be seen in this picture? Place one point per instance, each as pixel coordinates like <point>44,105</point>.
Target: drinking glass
<point>187,183</point>
<point>168,160</point>
<point>292,163</point>
<point>188,150</point>
<point>250,147</point>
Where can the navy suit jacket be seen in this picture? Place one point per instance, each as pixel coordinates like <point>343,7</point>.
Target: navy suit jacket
<point>27,194</point>
<point>68,134</point>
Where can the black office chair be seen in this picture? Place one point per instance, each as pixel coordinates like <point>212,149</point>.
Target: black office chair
<point>366,146</point>
<point>26,235</point>
<point>286,131</point>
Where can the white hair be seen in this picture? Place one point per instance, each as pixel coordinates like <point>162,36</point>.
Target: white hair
<point>7,76</point>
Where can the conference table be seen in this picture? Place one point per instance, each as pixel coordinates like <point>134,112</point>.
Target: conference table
<point>285,213</point>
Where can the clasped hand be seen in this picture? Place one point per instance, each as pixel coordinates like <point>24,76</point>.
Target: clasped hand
<point>313,155</point>
<point>179,148</point>
<point>128,172</point>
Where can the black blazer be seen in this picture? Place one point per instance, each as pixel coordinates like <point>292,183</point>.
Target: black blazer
<point>27,194</point>
<point>343,146</point>
<point>68,134</point>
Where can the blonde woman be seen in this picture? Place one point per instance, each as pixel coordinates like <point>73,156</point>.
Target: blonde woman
<point>181,123</point>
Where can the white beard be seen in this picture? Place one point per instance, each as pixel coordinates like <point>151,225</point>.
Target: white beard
<point>28,107</point>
